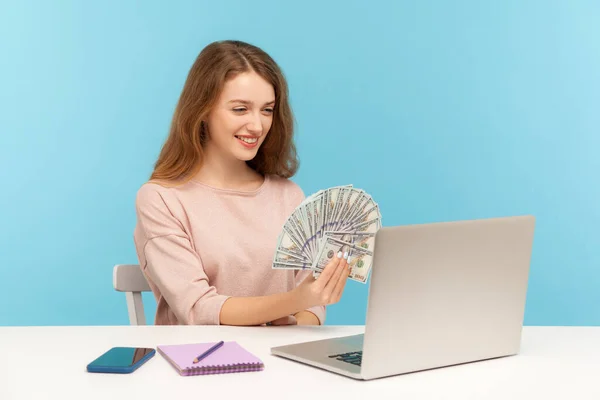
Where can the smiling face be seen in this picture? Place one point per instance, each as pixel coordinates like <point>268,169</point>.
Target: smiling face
<point>240,120</point>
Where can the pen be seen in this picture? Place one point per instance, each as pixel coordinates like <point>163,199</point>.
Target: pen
<point>207,352</point>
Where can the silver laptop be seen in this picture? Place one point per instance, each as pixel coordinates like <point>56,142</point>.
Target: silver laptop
<point>440,294</point>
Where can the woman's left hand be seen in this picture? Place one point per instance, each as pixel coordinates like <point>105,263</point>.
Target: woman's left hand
<point>288,320</point>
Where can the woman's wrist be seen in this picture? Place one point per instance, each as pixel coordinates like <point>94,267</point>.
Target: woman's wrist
<point>306,317</point>
<point>298,300</point>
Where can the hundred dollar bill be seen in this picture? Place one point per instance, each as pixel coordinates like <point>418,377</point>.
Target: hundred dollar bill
<point>331,198</point>
<point>333,203</point>
<point>310,219</point>
<point>362,202</point>
<point>367,214</point>
<point>290,265</point>
<point>371,213</point>
<point>365,240</point>
<point>316,209</point>
<point>330,243</point>
<point>288,244</point>
<point>285,257</point>
<point>372,226</point>
<point>339,206</point>
<point>329,248</point>
<point>297,232</point>
<point>360,258</point>
<point>350,201</point>
<point>360,266</point>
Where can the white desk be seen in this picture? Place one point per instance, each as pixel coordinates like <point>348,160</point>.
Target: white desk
<point>49,362</point>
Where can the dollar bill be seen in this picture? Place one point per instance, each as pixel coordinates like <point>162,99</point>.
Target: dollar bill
<point>359,205</point>
<point>353,233</point>
<point>291,265</point>
<point>318,204</point>
<point>331,202</point>
<point>366,240</point>
<point>334,200</point>
<point>341,218</point>
<point>360,265</point>
<point>296,231</point>
<point>341,202</point>
<point>366,210</point>
<point>372,225</point>
<point>285,257</point>
<point>288,244</point>
<point>310,219</point>
<point>345,194</point>
<point>325,207</point>
<point>349,203</point>
<point>360,259</point>
<point>331,246</point>
<point>360,262</point>
<point>368,214</point>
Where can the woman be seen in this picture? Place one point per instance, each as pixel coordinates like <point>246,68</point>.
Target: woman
<point>209,218</point>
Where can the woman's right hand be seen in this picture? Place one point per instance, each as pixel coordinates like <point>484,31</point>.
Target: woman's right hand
<point>328,287</point>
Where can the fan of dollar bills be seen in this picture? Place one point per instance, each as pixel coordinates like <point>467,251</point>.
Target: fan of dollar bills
<point>341,218</point>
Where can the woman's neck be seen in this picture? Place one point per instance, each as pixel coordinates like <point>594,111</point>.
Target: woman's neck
<point>225,173</point>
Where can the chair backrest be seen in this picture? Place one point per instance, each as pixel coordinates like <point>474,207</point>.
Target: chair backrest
<point>129,278</point>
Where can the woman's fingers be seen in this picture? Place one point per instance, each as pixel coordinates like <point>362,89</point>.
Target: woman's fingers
<point>330,269</point>
<point>333,281</point>
<point>287,320</point>
<point>341,283</point>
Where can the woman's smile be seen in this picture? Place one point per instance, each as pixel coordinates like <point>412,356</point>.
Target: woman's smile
<point>247,141</point>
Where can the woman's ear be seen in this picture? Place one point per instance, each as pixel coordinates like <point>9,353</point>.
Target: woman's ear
<point>203,131</point>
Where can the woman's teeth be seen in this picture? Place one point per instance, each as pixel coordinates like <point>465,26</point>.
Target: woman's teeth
<point>247,140</point>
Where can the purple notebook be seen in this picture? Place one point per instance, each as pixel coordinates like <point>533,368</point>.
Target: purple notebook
<point>231,357</point>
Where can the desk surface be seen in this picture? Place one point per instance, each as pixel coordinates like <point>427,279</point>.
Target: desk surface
<point>49,362</point>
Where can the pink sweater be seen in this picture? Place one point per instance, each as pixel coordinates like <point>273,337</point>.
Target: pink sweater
<point>199,245</point>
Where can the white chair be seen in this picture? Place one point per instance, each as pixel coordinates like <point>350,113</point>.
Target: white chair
<point>129,278</point>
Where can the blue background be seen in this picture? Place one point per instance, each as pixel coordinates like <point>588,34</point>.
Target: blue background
<point>440,110</point>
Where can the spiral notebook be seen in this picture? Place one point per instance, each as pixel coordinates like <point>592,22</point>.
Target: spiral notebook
<point>231,357</point>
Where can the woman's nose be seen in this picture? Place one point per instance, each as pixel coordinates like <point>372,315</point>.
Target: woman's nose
<point>255,124</point>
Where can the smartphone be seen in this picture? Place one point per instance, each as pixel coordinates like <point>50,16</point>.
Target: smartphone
<point>121,360</point>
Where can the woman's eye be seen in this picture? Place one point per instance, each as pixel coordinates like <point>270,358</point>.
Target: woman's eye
<point>240,110</point>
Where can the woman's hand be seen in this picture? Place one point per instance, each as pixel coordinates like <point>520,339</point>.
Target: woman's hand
<point>287,320</point>
<point>328,287</point>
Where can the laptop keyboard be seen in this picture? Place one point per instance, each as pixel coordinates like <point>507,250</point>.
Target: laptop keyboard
<point>354,357</point>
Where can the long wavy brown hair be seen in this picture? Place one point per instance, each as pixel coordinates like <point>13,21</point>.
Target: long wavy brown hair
<point>182,153</point>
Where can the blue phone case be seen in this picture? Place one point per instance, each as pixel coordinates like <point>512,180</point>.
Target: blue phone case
<point>121,370</point>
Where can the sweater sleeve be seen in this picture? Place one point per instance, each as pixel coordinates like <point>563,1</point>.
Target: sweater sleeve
<point>299,275</point>
<point>172,264</point>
